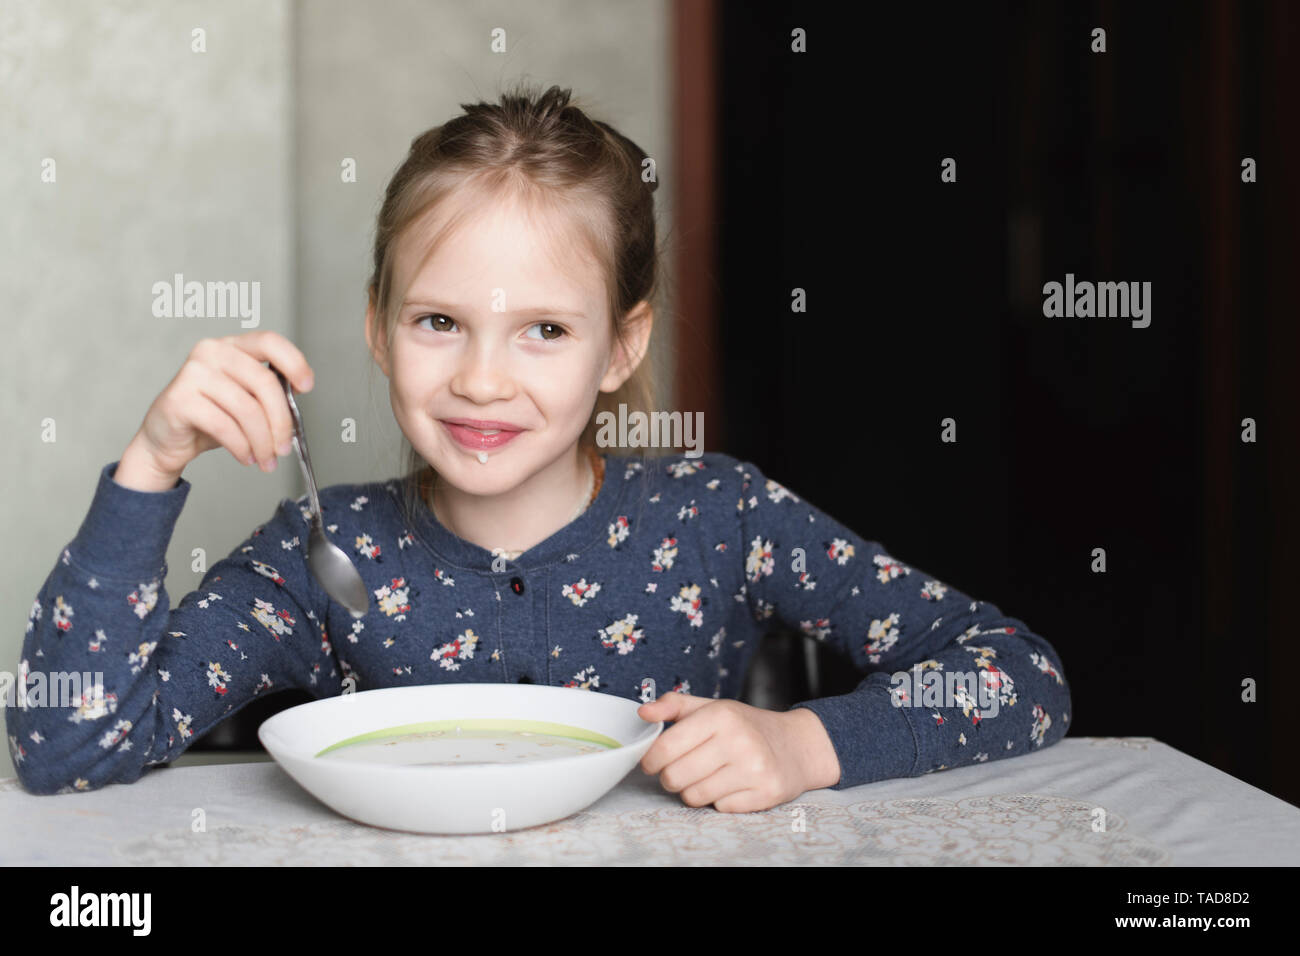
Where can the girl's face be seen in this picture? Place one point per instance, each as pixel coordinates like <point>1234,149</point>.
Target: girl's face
<point>497,351</point>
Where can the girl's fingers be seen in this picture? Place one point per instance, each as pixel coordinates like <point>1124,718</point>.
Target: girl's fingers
<point>723,782</point>
<point>210,419</point>
<point>697,765</point>
<point>743,800</point>
<point>262,383</point>
<point>235,401</point>
<point>678,740</point>
<point>268,346</point>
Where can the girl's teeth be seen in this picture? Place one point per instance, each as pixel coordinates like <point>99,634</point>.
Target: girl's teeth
<point>494,431</point>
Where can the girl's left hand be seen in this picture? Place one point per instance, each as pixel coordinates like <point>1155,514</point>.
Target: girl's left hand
<point>739,758</point>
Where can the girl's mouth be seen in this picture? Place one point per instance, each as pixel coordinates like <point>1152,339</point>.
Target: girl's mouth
<point>479,436</point>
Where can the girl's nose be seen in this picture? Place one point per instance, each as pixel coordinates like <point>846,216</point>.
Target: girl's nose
<point>484,375</point>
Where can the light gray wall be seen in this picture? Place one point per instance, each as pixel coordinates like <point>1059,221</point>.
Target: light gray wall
<point>167,161</point>
<point>224,166</point>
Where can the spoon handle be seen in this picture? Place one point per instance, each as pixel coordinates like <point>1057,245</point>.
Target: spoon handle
<point>300,444</point>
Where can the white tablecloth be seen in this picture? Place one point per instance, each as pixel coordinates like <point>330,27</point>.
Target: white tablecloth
<point>1159,807</point>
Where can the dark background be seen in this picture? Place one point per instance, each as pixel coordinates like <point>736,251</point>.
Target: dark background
<point>925,302</point>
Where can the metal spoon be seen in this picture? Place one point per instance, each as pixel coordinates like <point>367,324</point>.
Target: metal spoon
<point>327,561</point>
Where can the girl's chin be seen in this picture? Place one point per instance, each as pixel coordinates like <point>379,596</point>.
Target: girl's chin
<point>465,471</point>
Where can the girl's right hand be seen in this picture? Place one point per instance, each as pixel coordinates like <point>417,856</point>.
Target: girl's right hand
<point>223,396</point>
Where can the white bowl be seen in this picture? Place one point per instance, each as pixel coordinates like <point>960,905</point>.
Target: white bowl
<point>521,785</point>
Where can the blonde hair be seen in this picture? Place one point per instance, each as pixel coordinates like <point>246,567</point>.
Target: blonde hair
<point>562,166</point>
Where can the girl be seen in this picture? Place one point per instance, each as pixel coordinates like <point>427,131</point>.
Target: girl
<point>515,270</point>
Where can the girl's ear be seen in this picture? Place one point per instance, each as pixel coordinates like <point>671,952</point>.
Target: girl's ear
<point>375,337</point>
<point>629,352</point>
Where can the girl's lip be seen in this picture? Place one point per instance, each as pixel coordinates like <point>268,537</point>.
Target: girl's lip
<point>482,423</point>
<point>475,440</point>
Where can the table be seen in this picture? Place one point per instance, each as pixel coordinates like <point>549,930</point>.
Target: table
<point>1159,807</point>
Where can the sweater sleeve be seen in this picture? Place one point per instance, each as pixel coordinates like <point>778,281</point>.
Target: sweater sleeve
<point>947,680</point>
<point>111,680</point>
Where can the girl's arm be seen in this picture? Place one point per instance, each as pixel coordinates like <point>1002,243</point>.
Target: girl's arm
<point>948,680</point>
<point>169,675</point>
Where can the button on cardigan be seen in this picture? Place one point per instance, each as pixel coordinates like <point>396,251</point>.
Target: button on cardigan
<point>667,582</point>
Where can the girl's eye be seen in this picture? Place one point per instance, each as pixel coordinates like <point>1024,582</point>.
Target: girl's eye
<point>435,317</point>
<point>549,332</point>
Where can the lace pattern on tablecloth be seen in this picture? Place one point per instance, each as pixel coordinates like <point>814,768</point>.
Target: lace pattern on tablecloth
<point>1003,829</point>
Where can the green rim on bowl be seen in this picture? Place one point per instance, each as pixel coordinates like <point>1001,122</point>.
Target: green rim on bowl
<point>483,723</point>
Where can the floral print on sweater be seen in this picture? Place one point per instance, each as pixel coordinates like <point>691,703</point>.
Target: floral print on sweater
<point>667,582</point>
